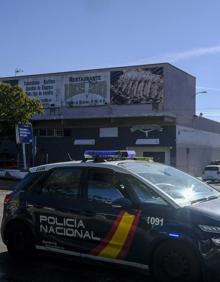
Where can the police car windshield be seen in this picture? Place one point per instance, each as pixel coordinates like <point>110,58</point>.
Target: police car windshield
<point>183,188</point>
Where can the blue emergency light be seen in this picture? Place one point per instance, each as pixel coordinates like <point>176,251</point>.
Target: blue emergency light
<point>109,154</point>
<point>174,235</point>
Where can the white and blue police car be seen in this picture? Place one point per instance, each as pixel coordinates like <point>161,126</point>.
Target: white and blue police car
<point>114,208</point>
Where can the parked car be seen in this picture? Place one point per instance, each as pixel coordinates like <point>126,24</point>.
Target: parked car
<point>211,172</point>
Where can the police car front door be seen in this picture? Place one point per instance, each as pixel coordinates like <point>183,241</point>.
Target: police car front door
<point>111,227</point>
<point>55,206</point>
<point>123,233</point>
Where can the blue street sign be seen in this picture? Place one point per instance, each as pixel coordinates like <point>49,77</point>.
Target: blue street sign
<point>24,133</point>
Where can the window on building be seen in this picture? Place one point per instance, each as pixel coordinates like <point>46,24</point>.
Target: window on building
<point>84,142</point>
<point>59,132</point>
<point>108,132</point>
<point>42,132</point>
<point>49,132</point>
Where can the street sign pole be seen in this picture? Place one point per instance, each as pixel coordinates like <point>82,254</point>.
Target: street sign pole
<point>24,135</point>
<point>34,149</point>
<point>24,156</point>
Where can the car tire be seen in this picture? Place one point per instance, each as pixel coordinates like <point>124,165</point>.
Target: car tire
<point>175,262</point>
<point>19,241</point>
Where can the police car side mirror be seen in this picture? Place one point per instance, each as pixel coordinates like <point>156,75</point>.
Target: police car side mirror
<point>122,203</point>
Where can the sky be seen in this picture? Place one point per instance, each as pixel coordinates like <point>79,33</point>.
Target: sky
<point>41,36</point>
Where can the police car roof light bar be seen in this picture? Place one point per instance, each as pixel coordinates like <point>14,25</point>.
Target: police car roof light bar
<point>109,154</point>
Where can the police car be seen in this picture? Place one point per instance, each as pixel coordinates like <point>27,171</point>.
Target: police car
<point>114,209</point>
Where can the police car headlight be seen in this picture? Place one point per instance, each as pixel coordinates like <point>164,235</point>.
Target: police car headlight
<point>210,229</point>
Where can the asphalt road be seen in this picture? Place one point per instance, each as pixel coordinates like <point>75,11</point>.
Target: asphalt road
<point>52,269</point>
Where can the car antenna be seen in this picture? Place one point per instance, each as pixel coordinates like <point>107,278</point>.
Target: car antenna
<point>70,158</point>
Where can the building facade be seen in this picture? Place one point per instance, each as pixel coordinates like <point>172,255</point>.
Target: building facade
<point>148,108</point>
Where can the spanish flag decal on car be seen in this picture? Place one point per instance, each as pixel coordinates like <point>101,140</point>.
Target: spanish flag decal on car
<point>117,242</point>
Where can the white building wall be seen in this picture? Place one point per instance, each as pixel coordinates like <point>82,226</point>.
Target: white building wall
<point>195,149</point>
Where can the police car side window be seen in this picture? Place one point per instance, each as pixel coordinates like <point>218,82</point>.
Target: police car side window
<point>102,188</point>
<point>144,193</point>
<point>62,182</point>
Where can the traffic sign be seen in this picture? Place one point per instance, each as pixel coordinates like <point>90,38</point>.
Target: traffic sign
<point>24,133</point>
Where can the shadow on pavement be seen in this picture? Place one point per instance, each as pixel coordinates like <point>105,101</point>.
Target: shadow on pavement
<point>51,269</point>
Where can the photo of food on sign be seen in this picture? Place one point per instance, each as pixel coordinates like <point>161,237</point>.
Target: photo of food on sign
<point>137,86</point>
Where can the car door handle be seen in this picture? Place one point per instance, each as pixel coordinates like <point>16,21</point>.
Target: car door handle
<point>88,213</point>
<point>36,206</point>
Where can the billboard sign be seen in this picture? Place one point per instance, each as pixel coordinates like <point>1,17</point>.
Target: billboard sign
<point>87,89</point>
<point>24,133</point>
<point>44,88</point>
<point>137,86</point>
<point>121,86</point>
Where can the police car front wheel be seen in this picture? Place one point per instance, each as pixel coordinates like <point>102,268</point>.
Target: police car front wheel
<point>174,262</point>
<point>20,242</point>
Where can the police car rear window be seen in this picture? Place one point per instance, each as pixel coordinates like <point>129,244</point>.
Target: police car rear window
<point>62,182</point>
<point>28,180</point>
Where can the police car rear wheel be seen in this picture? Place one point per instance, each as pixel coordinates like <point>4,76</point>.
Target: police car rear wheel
<point>20,241</point>
<point>174,262</point>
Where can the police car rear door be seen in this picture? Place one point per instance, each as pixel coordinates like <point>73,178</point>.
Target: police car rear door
<point>54,204</point>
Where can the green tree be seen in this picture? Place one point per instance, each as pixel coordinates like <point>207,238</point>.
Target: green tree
<point>16,107</point>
